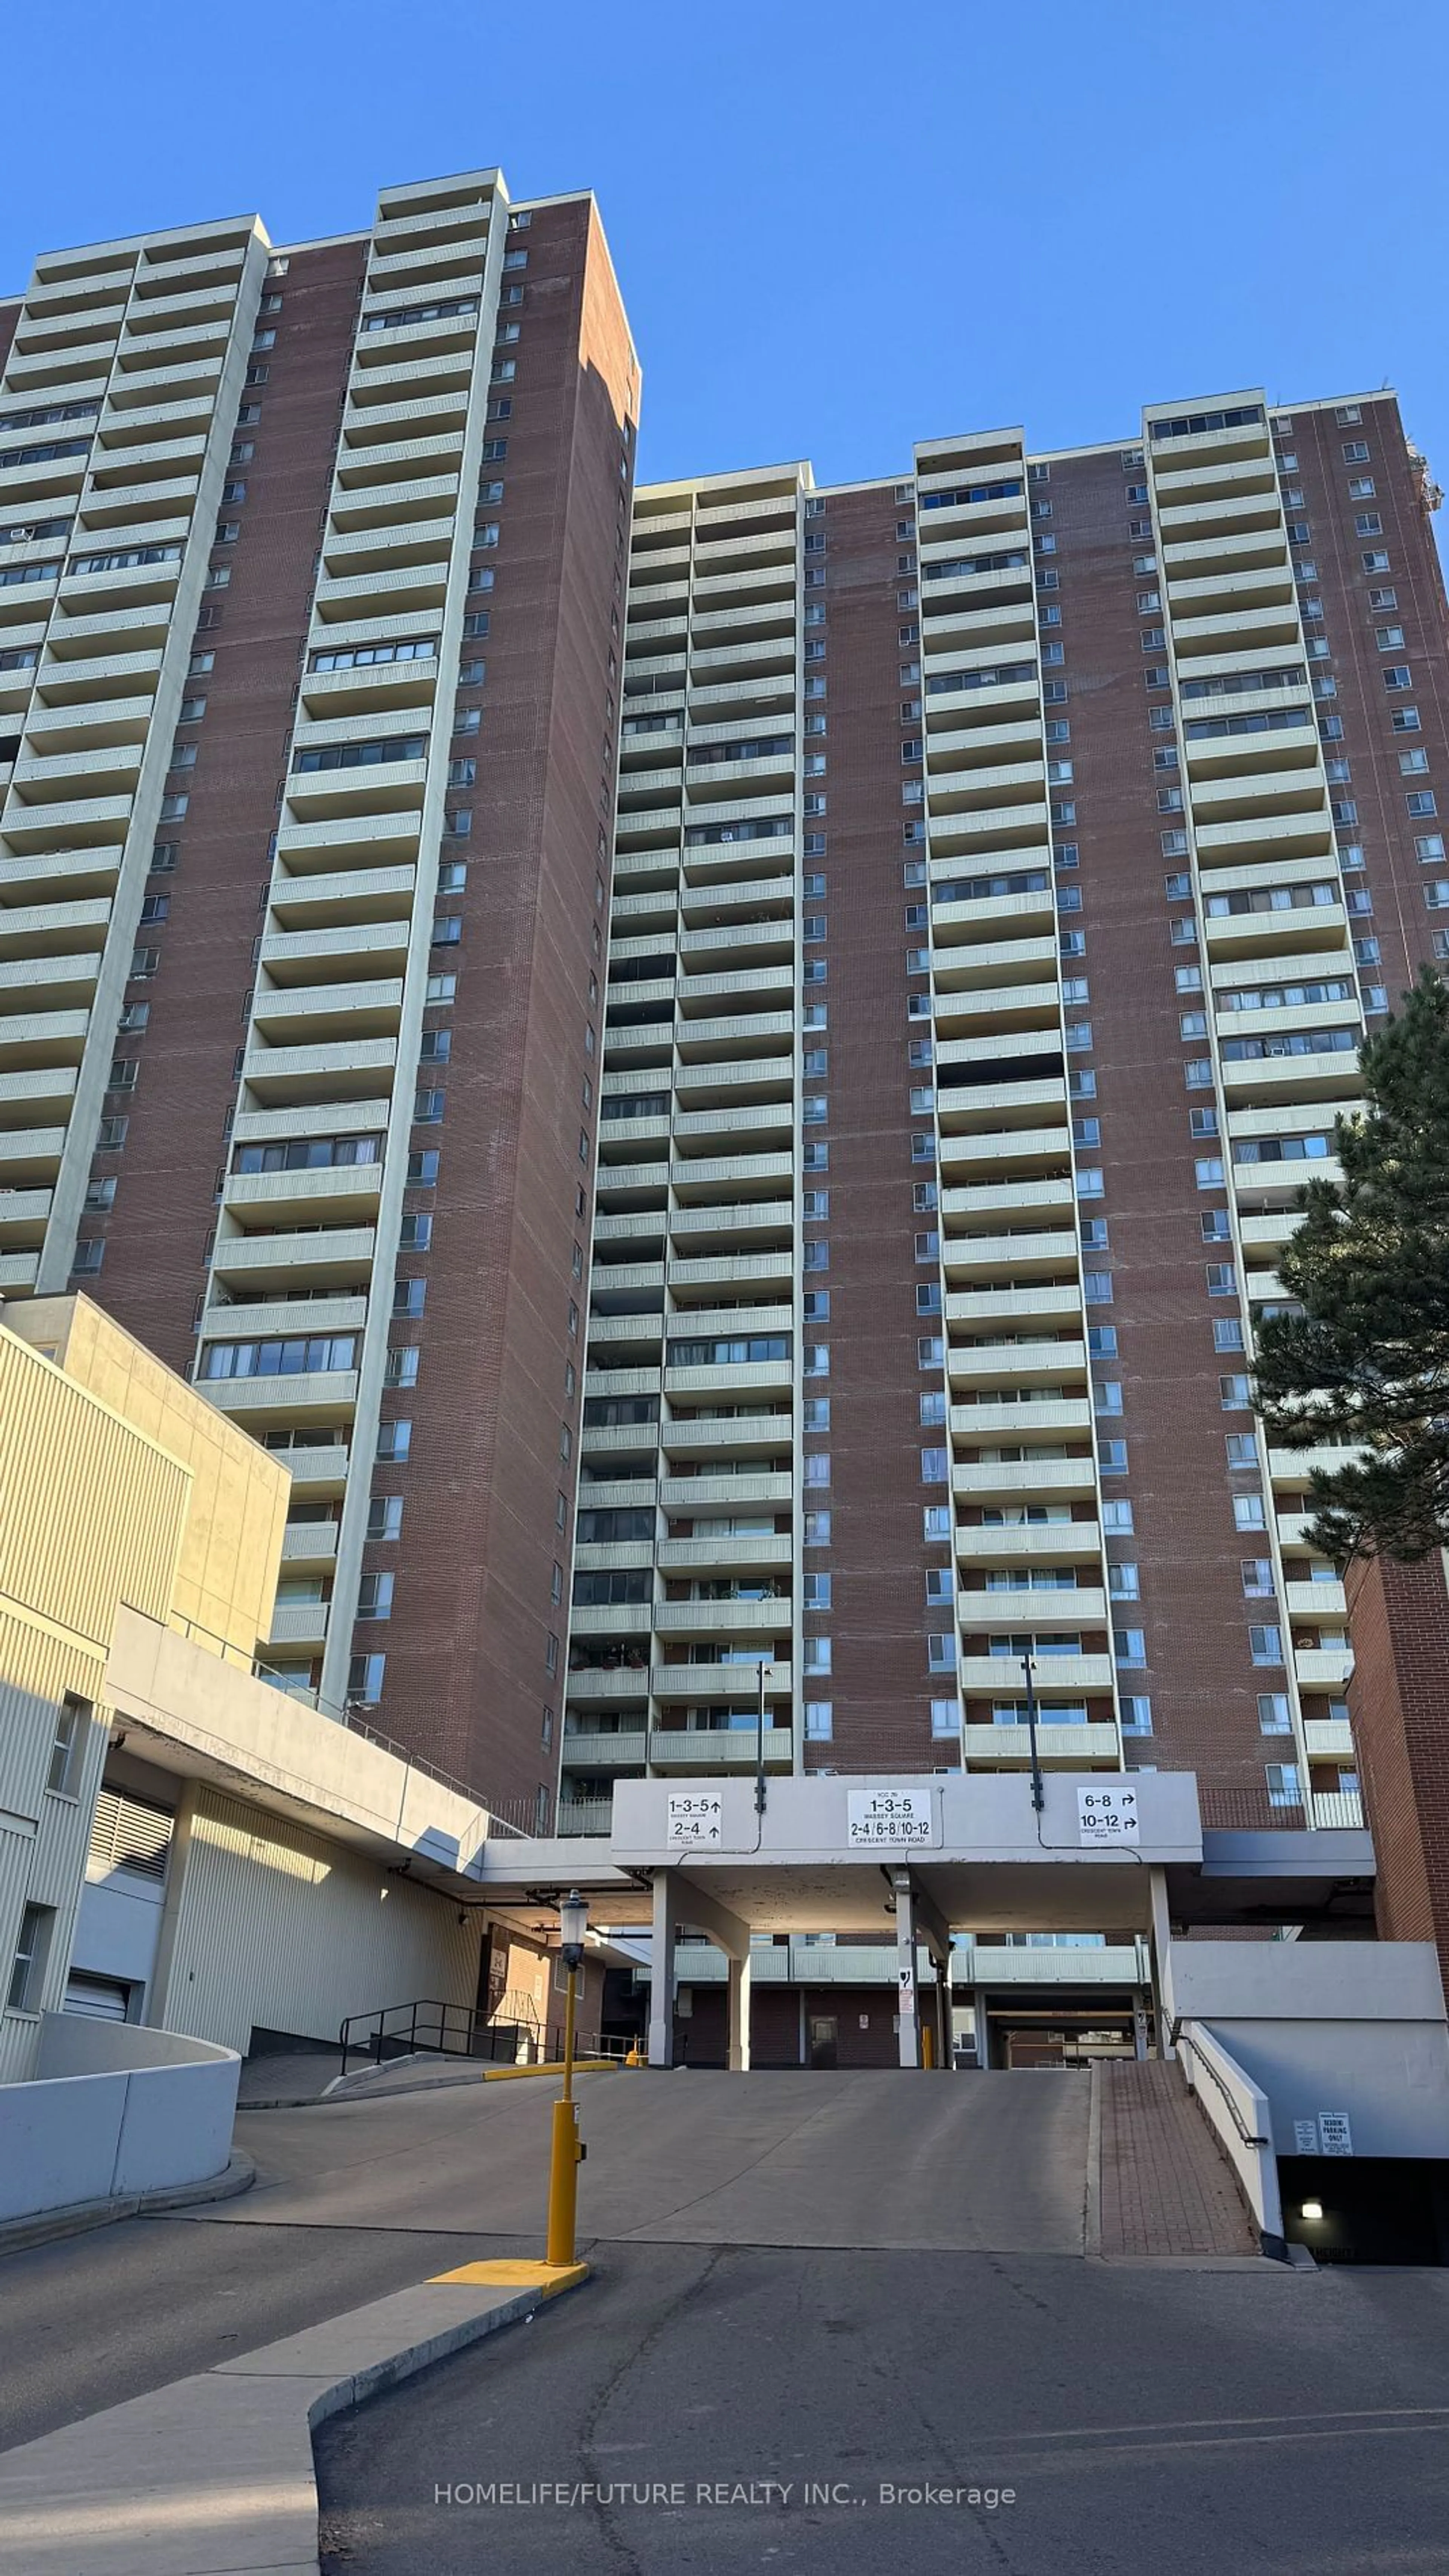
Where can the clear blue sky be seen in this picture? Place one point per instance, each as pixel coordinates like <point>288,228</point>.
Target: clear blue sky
<point>839,228</point>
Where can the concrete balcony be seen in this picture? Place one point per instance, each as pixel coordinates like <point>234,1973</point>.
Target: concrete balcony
<point>993,1198</point>
<point>1295,1466</point>
<point>1045,1479</point>
<point>622,1685</point>
<point>709,1555</point>
<point>104,721</point>
<point>596,1748</point>
<point>768,1223</point>
<point>336,1069</point>
<point>58,982</point>
<point>1052,1542</point>
<point>24,1215</point>
<point>329,1396</point>
<point>1318,1076</point>
<point>1328,1739</point>
<point>256,1319</point>
<point>61,826</point>
<point>1082,1608</point>
<point>736,1378</point>
<point>1322,1668</point>
<point>999,1676</point>
<point>720,1748</point>
<point>18,1273</point>
<point>720,1618</point>
<point>1017,1360</point>
<point>364,896</point>
<point>47,1043</point>
<point>1006,1305</point>
<point>298,1623</point>
<point>739,1683</point>
<point>42,1086</point>
<point>1023,1422</point>
<point>315,1471</point>
<point>966,1151</point>
<point>1020,1252</point>
<point>1059,1748</point>
<point>29,1154</point>
<point>369,1010</point>
<point>1003,833</point>
<point>685,1495</point>
<point>46,931</point>
<point>298,957</point>
<point>1253,935</point>
<point>389,787</point>
<point>339,1255</point>
<point>1315,1600</point>
<point>338,1192</point>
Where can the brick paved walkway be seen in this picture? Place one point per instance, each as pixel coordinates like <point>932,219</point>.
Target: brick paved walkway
<point>1167,2187</point>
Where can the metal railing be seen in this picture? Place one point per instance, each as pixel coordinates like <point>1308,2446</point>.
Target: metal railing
<point>429,2027</point>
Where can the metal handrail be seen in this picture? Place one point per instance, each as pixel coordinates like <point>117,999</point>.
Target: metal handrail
<point>1201,2058</point>
<point>461,2031</point>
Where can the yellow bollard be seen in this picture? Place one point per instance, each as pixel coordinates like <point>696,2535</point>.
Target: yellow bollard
<point>563,2182</point>
<point>928,2046</point>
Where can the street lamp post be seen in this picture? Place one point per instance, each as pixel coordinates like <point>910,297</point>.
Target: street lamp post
<point>567,2151</point>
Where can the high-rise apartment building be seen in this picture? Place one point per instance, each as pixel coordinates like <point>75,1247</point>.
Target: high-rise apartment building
<point>312,572</point>
<point>1009,861</point>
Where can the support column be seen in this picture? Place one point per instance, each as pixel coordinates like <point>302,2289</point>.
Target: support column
<point>945,2050</point>
<point>908,2001</point>
<point>1161,1961</point>
<point>661,1969</point>
<point>738,2059</point>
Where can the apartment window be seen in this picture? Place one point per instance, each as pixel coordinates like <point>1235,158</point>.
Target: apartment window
<point>935,1466</point>
<point>945,1718</point>
<point>936,1521</point>
<point>1107,1396</point>
<point>930,1351</point>
<point>1117,1517</point>
<point>1265,1645</point>
<point>941,1652</point>
<point>819,1721</point>
<point>374,1596</point>
<point>815,1469</point>
<point>1209,1171</point>
<point>384,1516</point>
<point>1373,559</point>
<point>1123,1583</point>
<point>1112,1457</point>
<point>1097,1287</point>
<point>1227,1333</point>
<point>394,1442</point>
<point>1422,804</point>
<point>1242,1446</point>
<point>817,1529</point>
<point>1129,1645</point>
<point>32,1951</point>
<point>67,1749</point>
<point>1136,1714</point>
<point>1234,1394</point>
<point>1274,1715</point>
<point>1257,1574</point>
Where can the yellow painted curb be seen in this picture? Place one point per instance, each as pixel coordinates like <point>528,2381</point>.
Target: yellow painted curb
<point>512,2272</point>
<point>582,2066</point>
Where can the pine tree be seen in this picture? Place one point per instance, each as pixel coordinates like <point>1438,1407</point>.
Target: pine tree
<point>1367,1361</point>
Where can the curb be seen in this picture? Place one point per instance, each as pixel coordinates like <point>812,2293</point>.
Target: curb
<point>1092,2199</point>
<point>216,2471</point>
<point>16,2234</point>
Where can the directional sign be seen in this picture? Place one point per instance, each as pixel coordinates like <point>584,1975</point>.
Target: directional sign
<point>883,1819</point>
<point>696,1816</point>
<point>1108,1816</point>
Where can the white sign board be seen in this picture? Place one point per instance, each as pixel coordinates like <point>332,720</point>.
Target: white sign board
<point>1108,1816</point>
<point>1335,2138</point>
<point>883,1819</point>
<point>1305,2137</point>
<point>696,1816</point>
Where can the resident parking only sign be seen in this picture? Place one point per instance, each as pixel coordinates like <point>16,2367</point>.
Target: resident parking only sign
<point>1107,1816</point>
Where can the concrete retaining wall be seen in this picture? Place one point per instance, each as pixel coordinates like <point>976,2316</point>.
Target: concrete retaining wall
<point>114,2109</point>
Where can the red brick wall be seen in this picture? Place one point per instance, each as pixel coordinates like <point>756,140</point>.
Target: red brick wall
<point>1199,1677</point>
<point>1399,1702</point>
<point>175,1144</point>
<point>880,1686</point>
<point>1394,874</point>
<point>466,1681</point>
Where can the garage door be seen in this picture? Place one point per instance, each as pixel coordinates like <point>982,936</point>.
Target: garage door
<point>102,1998</point>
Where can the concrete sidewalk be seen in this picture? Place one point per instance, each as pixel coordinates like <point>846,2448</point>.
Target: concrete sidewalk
<point>213,2476</point>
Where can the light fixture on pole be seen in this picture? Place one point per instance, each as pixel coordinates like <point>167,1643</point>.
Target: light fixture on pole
<point>567,2150</point>
<point>1038,1793</point>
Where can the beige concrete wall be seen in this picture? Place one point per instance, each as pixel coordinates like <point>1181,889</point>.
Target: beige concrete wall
<point>225,1574</point>
<point>281,1927</point>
